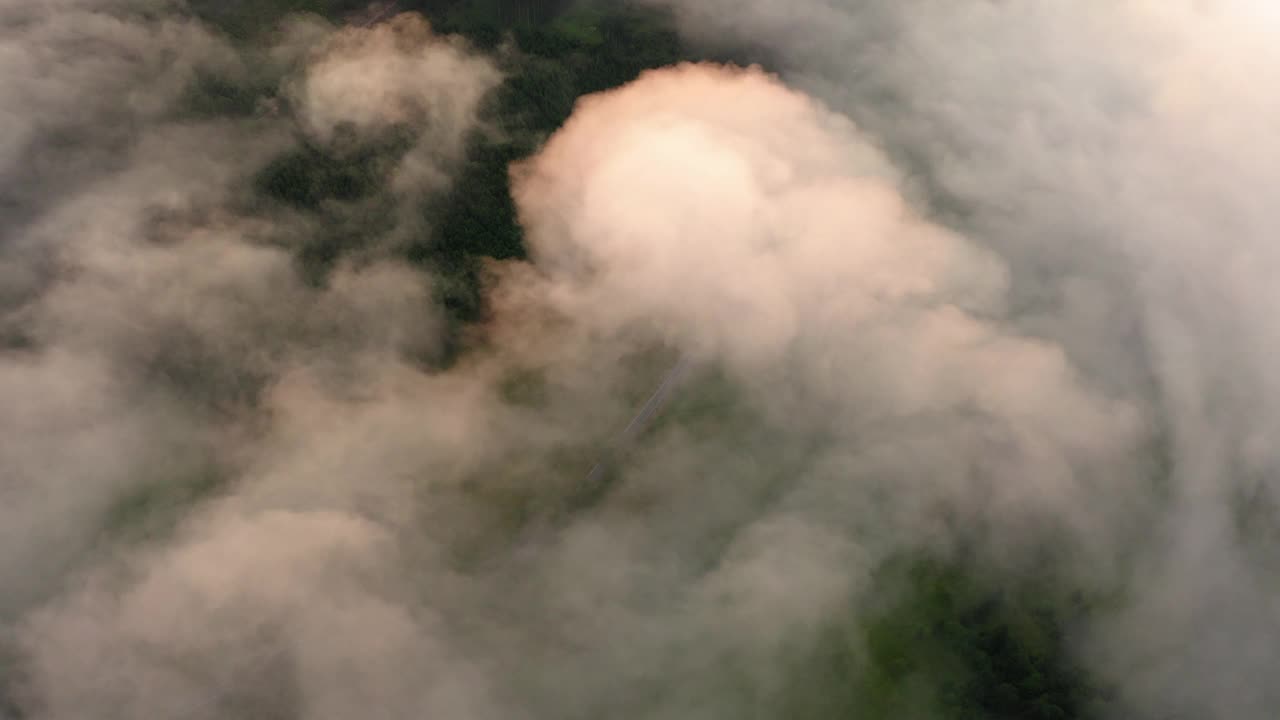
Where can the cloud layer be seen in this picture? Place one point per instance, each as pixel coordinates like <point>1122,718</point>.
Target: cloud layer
<point>1113,154</point>
<point>993,277</point>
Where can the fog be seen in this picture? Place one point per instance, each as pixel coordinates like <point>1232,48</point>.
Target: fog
<point>960,279</point>
<point>1114,155</point>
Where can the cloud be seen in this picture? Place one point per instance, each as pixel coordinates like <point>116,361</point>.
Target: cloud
<point>959,272</point>
<point>1111,154</point>
<point>397,74</point>
<point>744,220</point>
<point>281,614</point>
<point>152,313</point>
<point>382,537</point>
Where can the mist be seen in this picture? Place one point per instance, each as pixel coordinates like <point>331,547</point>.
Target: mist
<point>1112,155</point>
<point>975,281</point>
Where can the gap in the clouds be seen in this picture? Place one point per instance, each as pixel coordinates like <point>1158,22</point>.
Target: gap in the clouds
<point>153,510</point>
<point>946,640</point>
